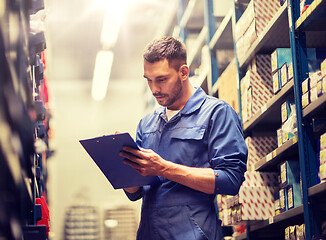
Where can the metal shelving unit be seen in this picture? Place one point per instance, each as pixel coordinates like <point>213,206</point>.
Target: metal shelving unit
<point>287,29</point>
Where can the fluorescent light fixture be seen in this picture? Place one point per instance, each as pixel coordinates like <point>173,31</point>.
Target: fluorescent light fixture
<point>102,71</point>
<point>112,21</point>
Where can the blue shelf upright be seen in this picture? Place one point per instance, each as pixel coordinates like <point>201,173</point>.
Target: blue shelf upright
<point>307,155</point>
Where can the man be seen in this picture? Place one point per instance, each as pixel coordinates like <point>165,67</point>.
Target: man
<point>194,143</point>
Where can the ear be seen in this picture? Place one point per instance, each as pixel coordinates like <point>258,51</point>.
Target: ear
<point>184,72</point>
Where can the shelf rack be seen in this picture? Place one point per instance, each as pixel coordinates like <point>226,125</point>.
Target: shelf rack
<point>287,29</point>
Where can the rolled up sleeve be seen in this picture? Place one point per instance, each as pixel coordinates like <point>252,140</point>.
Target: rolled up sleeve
<point>228,150</point>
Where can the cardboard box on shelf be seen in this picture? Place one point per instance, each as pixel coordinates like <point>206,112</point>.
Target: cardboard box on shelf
<point>256,211</point>
<point>256,90</point>
<point>305,85</point>
<point>290,70</point>
<point>283,200</point>
<point>323,141</point>
<point>320,87</point>
<point>279,137</point>
<point>305,99</point>
<point>279,57</point>
<point>257,194</point>
<point>322,157</point>
<point>314,78</point>
<point>322,172</point>
<point>259,147</point>
<point>284,74</point>
<point>252,23</point>
<point>313,94</point>
<point>260,179</point>
<point>294,197</point>
<point>286,108</point>
<point>290,173</point>
<point>276,82</point>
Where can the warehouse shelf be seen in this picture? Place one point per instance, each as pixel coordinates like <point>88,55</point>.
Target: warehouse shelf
<point>216,85</point>
<point>270,114</point>
<point>275,35</point>
<point>287,150</point>
<point>192,18</point>
<point>313,19</point>
<point>274,226</point>
<point>316,108</point>
<point>317,189</point>
<point>222,39</point>
<point>196,49</point>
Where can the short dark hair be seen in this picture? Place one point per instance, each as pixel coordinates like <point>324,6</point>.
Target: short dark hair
<point>166,48</point>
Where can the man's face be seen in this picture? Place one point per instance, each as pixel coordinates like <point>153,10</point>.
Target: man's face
<point>164,82</point>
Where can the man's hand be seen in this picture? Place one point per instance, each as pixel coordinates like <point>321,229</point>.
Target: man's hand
<point>145,161</point>
<point>148,163</point>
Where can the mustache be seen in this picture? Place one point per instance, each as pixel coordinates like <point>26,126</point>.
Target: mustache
<point>158,95</point>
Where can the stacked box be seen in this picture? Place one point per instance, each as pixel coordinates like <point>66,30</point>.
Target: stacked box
<point>256,211</point>
<point>290,173</point>
<point>294,198</point>
<point>259,147</point>
<point>289,121</point>
<point>301,232</point>
<point>286,108</point>
<point>290,71</point>
<point>253,22</point>
<point>277,84</point>
<point>283,200</point>
<point>260,179</point>
<point>277,206</point>
<point>290,192</point>
<point>305,92</point>
<point>279,134</point>
<point>256,90</point>
<point>257,194</point>
<point>284,74</point>
<point>280,57</point>
<point>322,157</point>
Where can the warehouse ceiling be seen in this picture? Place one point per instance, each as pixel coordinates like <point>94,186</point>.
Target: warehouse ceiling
<point>73,36</point>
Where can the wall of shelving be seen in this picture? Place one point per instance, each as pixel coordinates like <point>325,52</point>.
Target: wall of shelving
<point>24,122</point>
<point>286,25</point>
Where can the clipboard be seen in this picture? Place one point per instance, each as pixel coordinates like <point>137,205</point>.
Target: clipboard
<point>105,153</point>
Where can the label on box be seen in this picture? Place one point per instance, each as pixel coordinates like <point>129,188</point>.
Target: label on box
<point>290,71</point>
<point>313,94</point>
<point>323,141</point>
<point>284,74</point>
<point>283,173</point>
<point>279,137</point>
<point>322,157</point>
<point>324,85</point>
<point>305,99</point>
<point>322,172</point>
<point>305,85</point>
<point>276,82</point>
<point>290,197</point>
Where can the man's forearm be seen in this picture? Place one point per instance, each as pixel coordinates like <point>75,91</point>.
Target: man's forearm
<point>200,179</point>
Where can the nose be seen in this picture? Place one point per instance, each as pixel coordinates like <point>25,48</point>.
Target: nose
<point>154,88</point>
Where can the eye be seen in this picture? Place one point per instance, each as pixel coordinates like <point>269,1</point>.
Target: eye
<point>161,80</point>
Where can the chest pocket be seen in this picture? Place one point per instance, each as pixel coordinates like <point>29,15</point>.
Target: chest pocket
<point>188,146</point>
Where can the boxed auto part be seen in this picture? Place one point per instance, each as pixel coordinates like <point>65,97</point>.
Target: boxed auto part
<point>289,173</point>
<point>260,179</point>
<point>259,147</point>
<point>294,196</point>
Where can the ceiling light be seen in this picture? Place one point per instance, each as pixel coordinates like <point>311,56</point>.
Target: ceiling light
<point>102,71</point>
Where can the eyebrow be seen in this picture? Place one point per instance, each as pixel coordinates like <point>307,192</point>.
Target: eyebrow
<point>158,77</point>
